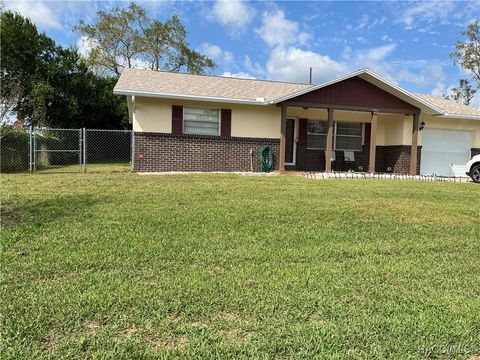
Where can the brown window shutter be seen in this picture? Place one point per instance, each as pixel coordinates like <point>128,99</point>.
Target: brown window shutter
<point>368,130</point>
<point>302,127</point>
<point>177,119</point>
<point>226,125</point>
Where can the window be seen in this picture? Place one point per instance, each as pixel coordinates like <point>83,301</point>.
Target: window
<point>346,136</point>
<point>201,121</point>
<point>316,134</point>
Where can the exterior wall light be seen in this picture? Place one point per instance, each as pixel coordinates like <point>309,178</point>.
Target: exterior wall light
<point>422,126</point>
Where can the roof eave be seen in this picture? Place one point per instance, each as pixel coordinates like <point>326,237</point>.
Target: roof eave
<point>460,116</point>
<point>190,97</point>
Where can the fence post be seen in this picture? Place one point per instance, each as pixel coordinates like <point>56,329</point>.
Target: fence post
<point>34,154</point>
<point>30,149</point>
<point>132,149</point>
<point>84,150</point>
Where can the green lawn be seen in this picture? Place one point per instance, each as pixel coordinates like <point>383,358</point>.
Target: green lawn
<point>226,266</point>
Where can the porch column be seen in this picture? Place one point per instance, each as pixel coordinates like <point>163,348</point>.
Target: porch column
<point>373,143</point>
<point>283,131</point>
<point>329,144</point>
<point>413,152</point>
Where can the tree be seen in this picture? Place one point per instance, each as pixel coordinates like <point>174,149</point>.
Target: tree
<point>18,54</point>
<point>48,85</point>
<point>128,38</point>
<point>464,93</point>
<point>467,53</point>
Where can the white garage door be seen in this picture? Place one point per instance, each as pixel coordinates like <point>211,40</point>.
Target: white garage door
<point>441,148</point>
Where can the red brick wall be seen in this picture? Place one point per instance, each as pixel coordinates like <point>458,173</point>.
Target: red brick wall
<point>396,157</point>
<point>185,152</point>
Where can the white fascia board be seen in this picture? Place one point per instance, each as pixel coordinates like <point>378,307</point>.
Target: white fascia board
<point>190,97</point>
<point>459,116</point>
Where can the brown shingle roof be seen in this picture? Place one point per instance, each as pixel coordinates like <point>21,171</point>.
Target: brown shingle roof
<point>449,106</point>
<point>201,85</point>
<point>170,83</point>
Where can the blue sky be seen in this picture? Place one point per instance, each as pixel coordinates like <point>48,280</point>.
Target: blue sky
<point>407,42</point>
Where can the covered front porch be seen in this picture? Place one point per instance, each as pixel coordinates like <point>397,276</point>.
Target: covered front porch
<point>373,142</point>
<point>354,124</point>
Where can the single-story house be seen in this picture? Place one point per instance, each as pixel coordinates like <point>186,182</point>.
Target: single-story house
<point>358,122</point>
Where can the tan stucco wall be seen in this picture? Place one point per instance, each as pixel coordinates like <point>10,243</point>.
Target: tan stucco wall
<point>453,124</point>
<point>256,121</point>
<point>398,130</point>
<point>152,115</point>
<point>155,115</point>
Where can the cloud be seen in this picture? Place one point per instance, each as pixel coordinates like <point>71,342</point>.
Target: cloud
<point>385,37</point>
<point>211,50</point>
<point>293,64</point>
<point>363,22</point>
<point>252,67</point>
<point>37,11</point>
<point>241,74</point>
<point>228,57</point>
<point>425,74</point>
<point>377,53</point>
<point>233,14</point>
<point>276,30</point>
<point>427,11</point>
<point>289,62</point>
<point>85,45</point>
<point>216,53</point>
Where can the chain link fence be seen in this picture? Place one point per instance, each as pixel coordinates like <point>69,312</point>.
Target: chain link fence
<point>65,150</point>
<point>107,150</point>
<point>57,150</point>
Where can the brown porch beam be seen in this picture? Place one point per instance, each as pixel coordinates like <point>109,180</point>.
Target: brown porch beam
<point>329,143</point>
<point>351,108</point>
<point>283,131</point>
<point>413,152</point>
<point>373,144</point>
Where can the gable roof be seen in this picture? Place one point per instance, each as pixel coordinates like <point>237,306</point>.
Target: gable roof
<point>203,87</point>
<point>380,82</point>
<point>171,85</point>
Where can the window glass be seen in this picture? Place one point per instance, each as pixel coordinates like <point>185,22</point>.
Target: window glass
<point>348,136</point>
<point>316,134</point>
<point>201,121</point>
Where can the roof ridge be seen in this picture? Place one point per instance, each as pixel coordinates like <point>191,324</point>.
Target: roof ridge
<point>221,77</point>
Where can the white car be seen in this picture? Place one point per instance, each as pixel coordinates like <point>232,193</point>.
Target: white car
<point>473,168</point>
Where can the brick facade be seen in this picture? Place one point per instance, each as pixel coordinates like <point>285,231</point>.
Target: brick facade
<point>475,151</point>
<point>184,152</point>
<point>397,158</point>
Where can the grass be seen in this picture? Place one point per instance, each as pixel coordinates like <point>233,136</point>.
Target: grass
<point>89,168</point>
<point>224,266</point>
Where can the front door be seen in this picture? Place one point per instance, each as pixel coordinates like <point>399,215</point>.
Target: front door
<point>290,142</point>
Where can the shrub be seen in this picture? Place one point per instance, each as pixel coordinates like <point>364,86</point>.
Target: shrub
<point>13,149</point>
